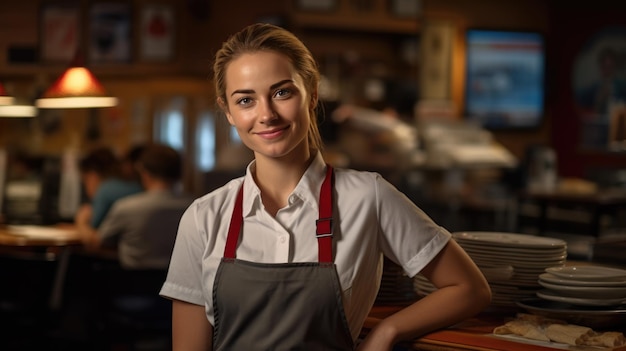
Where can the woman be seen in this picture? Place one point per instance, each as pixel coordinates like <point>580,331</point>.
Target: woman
<point>289,256</point>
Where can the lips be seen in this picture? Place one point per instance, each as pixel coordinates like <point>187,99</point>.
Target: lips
<point>272,133</point>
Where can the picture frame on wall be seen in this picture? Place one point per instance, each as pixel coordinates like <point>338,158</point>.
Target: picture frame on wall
<point>59,32</point>
<point>317,5</point>
<point>157,32</point>
<point>110,32</point>
<point>406,8</point>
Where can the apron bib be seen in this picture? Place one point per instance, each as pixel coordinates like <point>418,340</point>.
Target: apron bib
<point>280,306</point>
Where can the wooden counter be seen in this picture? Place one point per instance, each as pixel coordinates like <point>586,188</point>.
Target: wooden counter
<point>474,334</point>
<point>38,236</point>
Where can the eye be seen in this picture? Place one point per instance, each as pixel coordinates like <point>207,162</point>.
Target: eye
<point>243,101</point>
<point>282,93</point>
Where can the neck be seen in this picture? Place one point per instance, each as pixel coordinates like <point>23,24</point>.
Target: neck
<point>276,178</point>
<point>156,185</point>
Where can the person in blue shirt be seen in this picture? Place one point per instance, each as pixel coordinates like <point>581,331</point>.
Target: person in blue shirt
<point>104,183</point>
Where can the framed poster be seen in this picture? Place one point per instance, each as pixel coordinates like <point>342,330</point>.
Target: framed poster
<point>110,39</point>
<point>157,32</point>
<point>59,32</point>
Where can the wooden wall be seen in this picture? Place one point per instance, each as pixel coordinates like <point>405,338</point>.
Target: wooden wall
<point>204,24</point>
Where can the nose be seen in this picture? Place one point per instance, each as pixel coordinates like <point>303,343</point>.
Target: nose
<point>267,113</point>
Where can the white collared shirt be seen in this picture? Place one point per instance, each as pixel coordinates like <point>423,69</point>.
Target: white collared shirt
<point>371,218</point>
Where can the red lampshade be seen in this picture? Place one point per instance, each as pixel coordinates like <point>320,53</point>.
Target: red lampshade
<point>5,99</point>
<point>77,87</point>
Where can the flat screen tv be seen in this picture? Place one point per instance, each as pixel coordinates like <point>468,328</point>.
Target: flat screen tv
<point>505,78</point>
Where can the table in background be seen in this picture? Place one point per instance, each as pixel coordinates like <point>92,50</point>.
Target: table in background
<point>597,203</point>
<point>53,241</point>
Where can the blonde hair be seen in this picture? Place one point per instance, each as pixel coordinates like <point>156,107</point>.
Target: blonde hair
<point>267,37</point>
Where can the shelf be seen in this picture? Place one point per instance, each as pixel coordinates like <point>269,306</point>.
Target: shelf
<point>367,23</point>
<point>373,16</point>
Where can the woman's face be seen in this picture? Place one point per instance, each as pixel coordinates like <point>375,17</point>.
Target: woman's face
<point>267,102</point>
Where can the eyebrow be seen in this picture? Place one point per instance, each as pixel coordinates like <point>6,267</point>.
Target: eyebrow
<point>250,91</point>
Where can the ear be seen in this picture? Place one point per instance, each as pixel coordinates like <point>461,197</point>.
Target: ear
<point>222,104</point>
<point>230,118</point>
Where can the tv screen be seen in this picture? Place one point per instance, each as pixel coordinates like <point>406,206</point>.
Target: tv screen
<point>505,78</point>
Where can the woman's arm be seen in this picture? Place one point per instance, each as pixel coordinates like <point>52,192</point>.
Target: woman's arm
<point>462,292</point>
<point>191,330</point>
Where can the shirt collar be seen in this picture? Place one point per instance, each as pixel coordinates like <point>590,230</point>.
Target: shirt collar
<point>307,190</point>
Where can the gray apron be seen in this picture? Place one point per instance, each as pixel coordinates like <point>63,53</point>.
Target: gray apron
<point>284,306</point>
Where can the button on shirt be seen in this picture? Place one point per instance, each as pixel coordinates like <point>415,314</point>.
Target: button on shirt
<point>370,218</point>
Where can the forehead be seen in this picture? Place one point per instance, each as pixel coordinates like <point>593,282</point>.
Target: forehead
<point>259,65</point>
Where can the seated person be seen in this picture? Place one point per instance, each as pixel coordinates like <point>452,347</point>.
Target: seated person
<point>104,184</point>
<point>129,162</point>
<point>143,226</point>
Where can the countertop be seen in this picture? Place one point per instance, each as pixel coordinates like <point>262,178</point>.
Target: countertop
<point>475,334</point>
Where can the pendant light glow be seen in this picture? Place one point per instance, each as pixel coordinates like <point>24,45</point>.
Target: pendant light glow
<point>5,99</point>
<point>76,88</point>
<point>18,111</point>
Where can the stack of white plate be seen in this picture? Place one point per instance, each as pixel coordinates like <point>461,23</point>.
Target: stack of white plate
<point>585,285</point>
<point>511,263</point>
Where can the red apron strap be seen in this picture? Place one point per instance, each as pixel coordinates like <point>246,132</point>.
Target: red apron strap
<point>324,225</point>
<point>235,226</point>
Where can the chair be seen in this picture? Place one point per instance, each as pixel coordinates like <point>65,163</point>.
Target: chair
<point>132,313</point>
<point>27,311</point>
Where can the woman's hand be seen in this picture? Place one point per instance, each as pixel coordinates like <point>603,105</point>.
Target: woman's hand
<point>380,338</point>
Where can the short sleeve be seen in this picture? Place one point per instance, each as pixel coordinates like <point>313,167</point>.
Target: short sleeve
<point>184,277</point>
<point>409,237</point>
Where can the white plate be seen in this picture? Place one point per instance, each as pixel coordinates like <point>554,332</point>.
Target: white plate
<point>593,317</point>
<point>510,239</point>
<point>588,292</point>
<point>552,296</point>
<point>551,278</point>
<point>588,273</point>
<point>539,266</point>
<point>523,256</point>
<point>486,247</point>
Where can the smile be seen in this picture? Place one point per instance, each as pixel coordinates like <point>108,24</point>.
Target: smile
<point>273,133</point>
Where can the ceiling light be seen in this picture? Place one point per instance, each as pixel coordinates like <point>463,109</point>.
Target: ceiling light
<point>18,111</point>
<point>77,87</point>
<point>5,99</point>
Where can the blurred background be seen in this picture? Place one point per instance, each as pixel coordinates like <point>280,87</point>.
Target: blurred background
<point>490,115</point>
<point>465,106</point>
